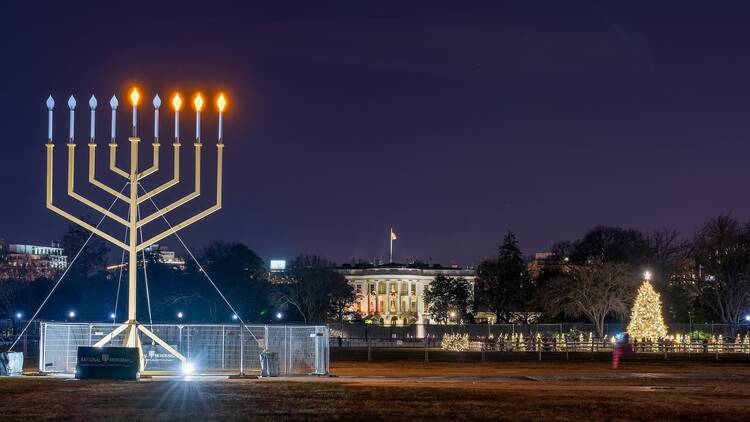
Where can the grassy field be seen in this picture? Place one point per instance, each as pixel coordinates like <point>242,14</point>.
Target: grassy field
<point>405,391</point>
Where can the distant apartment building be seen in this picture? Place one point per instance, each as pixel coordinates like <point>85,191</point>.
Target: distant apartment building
<point>166,256</point>
<point>30,262</point>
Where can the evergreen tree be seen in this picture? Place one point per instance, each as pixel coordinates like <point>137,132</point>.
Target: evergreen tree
<point>646,321</point>
<point>504,285</point>
<point>514,276</point>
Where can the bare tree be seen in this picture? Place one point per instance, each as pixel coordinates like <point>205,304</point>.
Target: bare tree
<point>722,252</point>
<point>594,291</point>
<point>315,290</point>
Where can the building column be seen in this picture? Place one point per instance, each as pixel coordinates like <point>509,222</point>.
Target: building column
<point>408,295</point>
<point>398,299</point>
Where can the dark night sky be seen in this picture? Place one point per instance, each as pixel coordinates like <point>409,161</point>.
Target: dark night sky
<point>454,123</point>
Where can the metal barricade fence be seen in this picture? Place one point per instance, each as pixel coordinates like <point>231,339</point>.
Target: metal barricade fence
<point>211,349</point>
<point>365,332</point>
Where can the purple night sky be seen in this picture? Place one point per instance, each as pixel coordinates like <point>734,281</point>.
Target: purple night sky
<point>452,123</point>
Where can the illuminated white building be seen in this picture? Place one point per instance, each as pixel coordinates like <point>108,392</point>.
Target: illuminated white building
<point>394,293</point>
<point>29,262</point>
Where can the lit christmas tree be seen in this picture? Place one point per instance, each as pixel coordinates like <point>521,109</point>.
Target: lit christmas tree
<point>646,322</point>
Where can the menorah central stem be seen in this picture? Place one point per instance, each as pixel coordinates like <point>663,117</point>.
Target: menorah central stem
<point>132,335</point>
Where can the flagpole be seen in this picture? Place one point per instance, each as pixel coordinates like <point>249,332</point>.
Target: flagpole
<point>390,236</point>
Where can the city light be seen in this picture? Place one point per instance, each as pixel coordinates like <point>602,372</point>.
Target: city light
<point>19,315</point>
<point>112,316</point>
<point>72,314</point>
<point>180,315</point>
<point>278,315</point>
<point>452,314</point>
<point>747,318</point>
<point>235,317</point>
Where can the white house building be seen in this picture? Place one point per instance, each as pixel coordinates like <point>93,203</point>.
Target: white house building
<point>394,293</point>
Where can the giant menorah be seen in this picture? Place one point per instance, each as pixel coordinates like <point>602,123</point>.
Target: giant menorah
<point>134,222</point>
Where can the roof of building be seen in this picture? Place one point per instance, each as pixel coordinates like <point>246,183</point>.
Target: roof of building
<point>404,269</point>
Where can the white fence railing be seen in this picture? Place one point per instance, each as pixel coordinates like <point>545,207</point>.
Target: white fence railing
<point>211,349</point>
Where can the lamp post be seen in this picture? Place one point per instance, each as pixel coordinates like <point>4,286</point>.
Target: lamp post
<point>133,177</point>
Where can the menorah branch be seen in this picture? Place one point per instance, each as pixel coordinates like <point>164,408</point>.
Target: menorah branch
<point>154,167</point>
<point>180,202</point>
<point>175,179</point>
<point>174,229</point>
<point>81,199</point>
<point>113,162</point>
<point>66,215</point>
<point>92,175</point>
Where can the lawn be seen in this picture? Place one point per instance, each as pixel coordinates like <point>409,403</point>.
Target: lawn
<point>405,391</point>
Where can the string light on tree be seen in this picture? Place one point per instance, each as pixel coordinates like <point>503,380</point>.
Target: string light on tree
<point>646,321</point>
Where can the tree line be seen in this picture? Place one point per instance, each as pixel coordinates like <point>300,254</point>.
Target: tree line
<point>701,279</point>
<point>310,290</point>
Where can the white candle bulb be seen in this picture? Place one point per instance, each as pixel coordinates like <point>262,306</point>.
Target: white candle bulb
<point>198,103</point>
<point>114,103</point>
<point>221,102</point>
<point>72,106</point>
<point>134,97</point>
<point>92,104</point>
<point>157,104</point>
<point>176,104</point>
<point>50,107</point>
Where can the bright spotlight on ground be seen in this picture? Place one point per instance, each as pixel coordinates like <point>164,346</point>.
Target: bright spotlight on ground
<point>188,368</point>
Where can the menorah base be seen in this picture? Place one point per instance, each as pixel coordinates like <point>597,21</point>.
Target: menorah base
<point>132,339</point>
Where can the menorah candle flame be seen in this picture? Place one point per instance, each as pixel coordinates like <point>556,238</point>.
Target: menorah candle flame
<point>134,222</point>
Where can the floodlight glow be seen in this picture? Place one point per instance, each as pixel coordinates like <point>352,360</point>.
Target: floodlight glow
<point>278,315</point>
<point>747,318</point>
<point>188,368</point>
<point>235,317</point>
<point>452,314</point>
<point>71,314</point>
<point>18,315</point>
<point>112,316</point>
<point>179,314</point>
